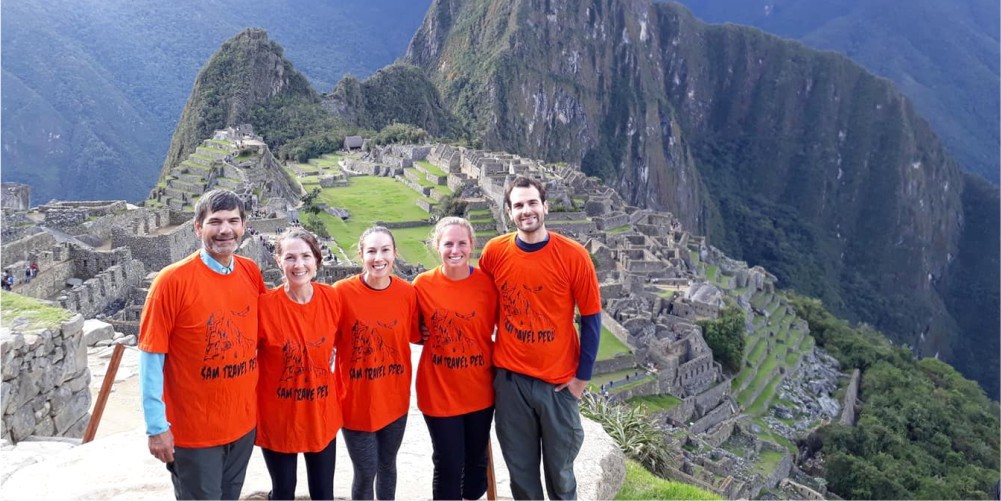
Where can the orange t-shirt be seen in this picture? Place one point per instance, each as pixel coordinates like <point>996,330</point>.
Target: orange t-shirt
<point>455,375</point>
<point>373,351</point>
<point>536,335</point>
<point>206,324</point>
<point>298,405</point>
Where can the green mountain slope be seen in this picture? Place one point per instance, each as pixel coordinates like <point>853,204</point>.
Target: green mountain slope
<point>944,56</point>
<point>794,159</point>
<point>92,90</point>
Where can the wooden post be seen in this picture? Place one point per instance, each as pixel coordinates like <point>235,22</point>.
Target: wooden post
<point>102,397</point>
<point>491,478</point>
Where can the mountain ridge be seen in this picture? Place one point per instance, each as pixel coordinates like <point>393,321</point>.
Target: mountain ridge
<point>787,157</point>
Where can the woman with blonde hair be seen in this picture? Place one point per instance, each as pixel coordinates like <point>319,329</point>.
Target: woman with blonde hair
<point>455,392</point>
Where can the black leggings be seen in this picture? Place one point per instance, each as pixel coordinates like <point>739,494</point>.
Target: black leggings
<point>319,472</point>
<point>460,454</point>
<point>373,455</point>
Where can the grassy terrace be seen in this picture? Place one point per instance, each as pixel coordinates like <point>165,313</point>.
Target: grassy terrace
<point>641,484</point>
<point>222,151</point>
<point>654,403</point>
<point>767,462</point>
<point>371,199</point>
<point>610,345</point>
<point>203,157</point>
<point>431,168</point>
<point>38,314</point>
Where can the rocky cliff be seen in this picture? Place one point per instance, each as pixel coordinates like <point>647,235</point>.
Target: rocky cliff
<point>791,158</point>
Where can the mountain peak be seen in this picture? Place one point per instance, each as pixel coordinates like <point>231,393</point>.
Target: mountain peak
<point>248,70</point>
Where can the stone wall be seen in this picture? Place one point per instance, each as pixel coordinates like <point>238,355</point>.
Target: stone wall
<point>26,248</point>
<point>652,387</point>
<point>45,389</point>
<point>614,364</point>
<point>158,250</point>
<point>712,418</point>
<point>617,330</point>
<point>264,226</point>
<point>105,289</point>
<point>851,398</point>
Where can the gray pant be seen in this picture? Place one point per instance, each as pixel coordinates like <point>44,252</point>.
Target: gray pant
<point>532,420</point>
<point>373,456</point>
<point>211,472</point>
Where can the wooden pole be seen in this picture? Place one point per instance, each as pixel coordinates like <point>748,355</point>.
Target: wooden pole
<point>102,397</point>
<point>491,478</point>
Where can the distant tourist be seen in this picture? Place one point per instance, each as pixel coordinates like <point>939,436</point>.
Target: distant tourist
<point>34,269</point>
<point>27,274</point>
<point>299,407</point>
<point>378,321</point>
<point>8,280</point>
<point>198,370</point>
<point>542,365</point>
<point>455,378</point>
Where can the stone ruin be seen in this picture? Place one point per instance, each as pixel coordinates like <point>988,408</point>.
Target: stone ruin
<point>98,258</point>
<point>15,196</point>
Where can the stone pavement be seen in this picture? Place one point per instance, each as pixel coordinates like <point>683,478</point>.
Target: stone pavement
<point>117,465</point>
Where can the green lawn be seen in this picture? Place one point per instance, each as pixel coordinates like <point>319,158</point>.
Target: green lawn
<point>370,199</point>
<point>620,229</point>
<point>610,345</point>
<point>641,484</point>
<point>431,168</point>
<point>767,462</point>
<point>653,403</point>
<point>37,313</point>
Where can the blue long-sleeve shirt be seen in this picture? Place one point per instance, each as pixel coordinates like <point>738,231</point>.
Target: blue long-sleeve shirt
<point>151,371</point>
<point>590,325</point>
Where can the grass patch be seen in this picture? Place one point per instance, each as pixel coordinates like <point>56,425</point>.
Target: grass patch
<point>600,379</point>
<point>641,484</point>
<point>431,168</point>
<point>654,403</point>
<point>761,403</point>
<point>38,314</point>
<point>767,461</point>
<point>370,199</point>
<point>610,345</point>
<point>620,229</point>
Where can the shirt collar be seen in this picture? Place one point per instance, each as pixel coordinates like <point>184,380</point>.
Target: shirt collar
<point>216,266</point>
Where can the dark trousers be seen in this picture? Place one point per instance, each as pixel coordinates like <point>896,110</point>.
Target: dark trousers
<point>211,472</point>
<point>460,454</point>
<point>373,457</point>
<point>319,472</point>
<point>534,421</point>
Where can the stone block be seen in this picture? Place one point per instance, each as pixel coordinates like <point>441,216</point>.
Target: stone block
<point>10,365</point>
<point>7,392</point>
<point>60,397</point>
<point>96,330</point>
<point>27,388</point>
<point>45,428</point>
<point>79,382</point>
<point>75,408</point>
<point>21,424</point>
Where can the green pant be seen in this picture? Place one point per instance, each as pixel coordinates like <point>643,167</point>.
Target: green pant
<point>532,420</point>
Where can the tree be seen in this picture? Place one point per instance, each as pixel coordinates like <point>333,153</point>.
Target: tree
<point>725,336</point>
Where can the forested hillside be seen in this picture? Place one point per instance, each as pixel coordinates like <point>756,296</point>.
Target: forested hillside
<point>92,90</point>
<point>784,156</point>
<point>944,56</point>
